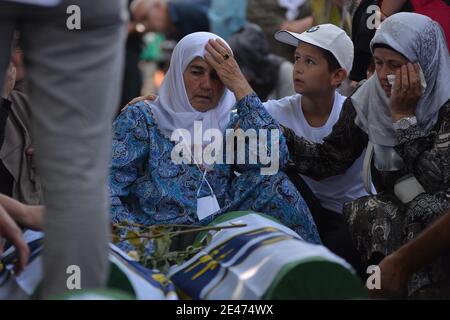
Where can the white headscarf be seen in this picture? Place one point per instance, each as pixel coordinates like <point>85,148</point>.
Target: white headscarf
<point>420,39</point>
<point>172,108</point>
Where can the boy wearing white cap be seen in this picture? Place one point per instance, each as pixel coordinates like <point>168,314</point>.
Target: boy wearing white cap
<point>323,60</point>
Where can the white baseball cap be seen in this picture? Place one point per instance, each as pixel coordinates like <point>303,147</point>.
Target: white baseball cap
<point>325,36</point>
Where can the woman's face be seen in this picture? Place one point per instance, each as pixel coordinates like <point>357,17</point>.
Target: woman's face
<point>203,87</point>
<point>387,62</point>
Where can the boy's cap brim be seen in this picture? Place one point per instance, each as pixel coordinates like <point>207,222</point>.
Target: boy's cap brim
<point>294,39</point>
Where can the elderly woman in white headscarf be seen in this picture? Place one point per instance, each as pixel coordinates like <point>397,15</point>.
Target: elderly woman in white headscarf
<point>402,116</point>
<point>158,175</point>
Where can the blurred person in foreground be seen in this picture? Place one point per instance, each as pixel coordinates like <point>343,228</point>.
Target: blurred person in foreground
<point>74,71</point>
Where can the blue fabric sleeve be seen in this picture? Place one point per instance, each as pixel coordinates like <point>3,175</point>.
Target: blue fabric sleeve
<point>253,115</point>
<point>130,152</point>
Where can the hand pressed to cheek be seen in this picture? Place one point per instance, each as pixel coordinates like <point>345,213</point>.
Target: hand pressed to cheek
<point>406,91</point>
<point>387,62</point>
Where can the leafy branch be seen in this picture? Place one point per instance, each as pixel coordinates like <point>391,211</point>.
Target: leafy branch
<point>161,237</point>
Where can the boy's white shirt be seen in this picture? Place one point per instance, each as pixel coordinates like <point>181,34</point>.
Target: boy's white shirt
<point>334,191</point>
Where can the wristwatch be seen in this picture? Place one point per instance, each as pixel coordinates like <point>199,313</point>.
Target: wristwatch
<point>404,123</point>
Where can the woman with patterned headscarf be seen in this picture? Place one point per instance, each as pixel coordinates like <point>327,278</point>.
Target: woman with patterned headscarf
<point>402,115</point>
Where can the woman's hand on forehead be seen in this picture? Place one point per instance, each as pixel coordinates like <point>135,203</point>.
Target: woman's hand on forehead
<point>220,57</point>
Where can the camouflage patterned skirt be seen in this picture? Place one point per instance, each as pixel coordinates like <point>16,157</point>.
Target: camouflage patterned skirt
<point>381,224</point>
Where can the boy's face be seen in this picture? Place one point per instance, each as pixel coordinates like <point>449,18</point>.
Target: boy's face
<point>311,75</point>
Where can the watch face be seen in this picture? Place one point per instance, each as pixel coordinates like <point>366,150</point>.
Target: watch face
<point>404,124</point>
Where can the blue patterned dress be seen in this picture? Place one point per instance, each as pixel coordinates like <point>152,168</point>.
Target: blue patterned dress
<point>147,188</point>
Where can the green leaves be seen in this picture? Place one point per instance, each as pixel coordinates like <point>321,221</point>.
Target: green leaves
<point>133,237</point>
<point>161,237</point>
<point>162,241</point>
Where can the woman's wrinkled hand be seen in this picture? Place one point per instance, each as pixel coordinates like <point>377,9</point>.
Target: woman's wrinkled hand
<point>406,92</point>
<point>220,57</point>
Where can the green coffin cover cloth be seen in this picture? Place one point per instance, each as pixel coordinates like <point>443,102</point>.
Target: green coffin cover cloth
<point>263,260</point>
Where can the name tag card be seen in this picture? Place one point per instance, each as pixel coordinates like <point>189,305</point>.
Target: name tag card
<point>207,206</point>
